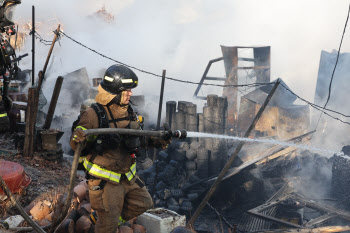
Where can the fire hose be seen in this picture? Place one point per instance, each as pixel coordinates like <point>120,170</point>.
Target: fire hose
<point>167,133</point>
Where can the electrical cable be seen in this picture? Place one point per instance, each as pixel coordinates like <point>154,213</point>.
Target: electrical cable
<point>317,107</point>
<point>157,75</point>
<point>335,66</point>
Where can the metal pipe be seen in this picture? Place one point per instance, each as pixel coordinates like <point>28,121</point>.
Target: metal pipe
<point>8,193</point>
<point>233,156</point>
<point>72,179</point>
<point>53,102</point>
<point>33,45</point>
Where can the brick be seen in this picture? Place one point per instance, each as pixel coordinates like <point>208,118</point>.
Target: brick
<point>39,211</point>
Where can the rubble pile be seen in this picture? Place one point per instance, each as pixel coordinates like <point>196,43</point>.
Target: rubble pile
<point>178,166</point>
<point>78,220</point>
<point>340,179</point>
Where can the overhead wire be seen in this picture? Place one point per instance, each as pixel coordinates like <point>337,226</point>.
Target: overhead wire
<point>335,66</point>
<point>157,75</point>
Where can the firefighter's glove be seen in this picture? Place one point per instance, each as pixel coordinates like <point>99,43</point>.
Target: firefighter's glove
<point>160,142</point>
<point>79,135</point>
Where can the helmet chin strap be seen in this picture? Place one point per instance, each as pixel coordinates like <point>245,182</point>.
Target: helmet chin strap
<point>116,100</point>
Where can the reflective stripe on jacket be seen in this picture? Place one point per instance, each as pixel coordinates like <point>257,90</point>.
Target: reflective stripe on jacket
<point>95,170</point>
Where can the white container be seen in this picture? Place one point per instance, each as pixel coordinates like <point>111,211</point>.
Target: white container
<point>14,221</point>
<point>161,220</point>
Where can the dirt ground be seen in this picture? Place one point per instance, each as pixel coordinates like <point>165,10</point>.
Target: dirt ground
<point>48,179</point>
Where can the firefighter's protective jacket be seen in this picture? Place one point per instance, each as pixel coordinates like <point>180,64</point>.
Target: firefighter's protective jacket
<point>114,162</point>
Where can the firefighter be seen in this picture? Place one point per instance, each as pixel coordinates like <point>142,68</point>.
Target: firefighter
<point>115,190</point>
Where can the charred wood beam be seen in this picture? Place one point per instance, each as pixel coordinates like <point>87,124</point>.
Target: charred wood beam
<point>205,74</point>
<point>53,102</point>
<point>233,156</point>
<point>31,113</point>
<point>322,207</point>
<point>317,221</point>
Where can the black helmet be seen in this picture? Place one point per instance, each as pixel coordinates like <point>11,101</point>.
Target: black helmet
<point>118,78</point>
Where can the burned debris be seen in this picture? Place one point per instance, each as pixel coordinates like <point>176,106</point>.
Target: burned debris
<point>239,160</point>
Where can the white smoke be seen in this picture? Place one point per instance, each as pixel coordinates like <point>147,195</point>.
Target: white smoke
<point>182,36</point>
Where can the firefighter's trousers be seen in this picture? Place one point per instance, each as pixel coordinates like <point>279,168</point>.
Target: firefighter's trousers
<point>125,199</point>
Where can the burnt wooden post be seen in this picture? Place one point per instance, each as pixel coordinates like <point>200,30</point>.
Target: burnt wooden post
<point>30,122</point>
<point>233,156</point>
<point>230,55</point>
<point>52,107</point>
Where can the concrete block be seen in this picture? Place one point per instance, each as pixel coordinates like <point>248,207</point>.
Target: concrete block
<point>161,220</point>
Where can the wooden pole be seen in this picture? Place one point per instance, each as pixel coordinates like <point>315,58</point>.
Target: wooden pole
<point>233,156</point>
<point>53,103</point>
<point>30,122</point>
<point>42,73</point>
<point>33,45</point>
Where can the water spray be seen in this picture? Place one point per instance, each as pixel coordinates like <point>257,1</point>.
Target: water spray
<point>267,141</point>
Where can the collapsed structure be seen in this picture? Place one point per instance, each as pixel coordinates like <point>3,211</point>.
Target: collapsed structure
<point>257,194</point>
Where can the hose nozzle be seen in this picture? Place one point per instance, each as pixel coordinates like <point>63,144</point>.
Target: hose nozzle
<point>180,134</point>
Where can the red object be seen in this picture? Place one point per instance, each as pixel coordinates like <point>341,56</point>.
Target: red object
<point>14,176</point>
<point>132,156</point>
